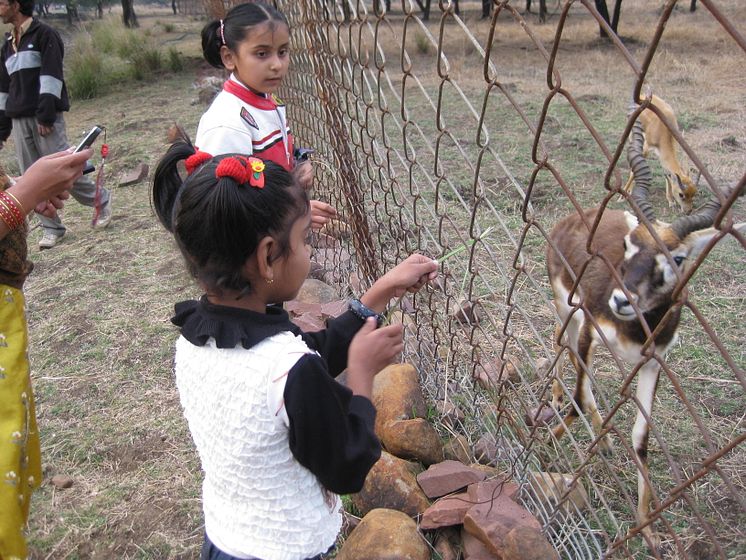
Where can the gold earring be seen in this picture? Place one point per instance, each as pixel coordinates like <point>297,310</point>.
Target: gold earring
<point>269,280</point>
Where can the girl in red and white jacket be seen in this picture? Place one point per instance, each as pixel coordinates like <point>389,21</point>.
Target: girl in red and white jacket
<point>253,42</point>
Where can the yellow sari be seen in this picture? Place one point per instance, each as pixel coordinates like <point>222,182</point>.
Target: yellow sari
<point>20,453</point>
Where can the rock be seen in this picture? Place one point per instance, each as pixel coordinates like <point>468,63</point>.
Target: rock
<point>385,534</point>
<point>446,544</point>
<point>485,450</point>
<point>139,173</point>
<point>314,291</point>
<point>550,487</point>
<point>207,88</point>
<point>539,416</point>
<point>457,449</point>
<point>467,314</point>
<point>334,308</point>
<point>474,549</point>
<point>306,316</point>
<point>398,317</point>
<point>451,415</point>
<point>297,308</point>
<point>492,373</point>
<point>414,439</point>
<point>397,395</point>
<point>337,263</point>
<point>490,472</point>
<point>491,521</point>
<point>447,477</point>
<point>446,512</point>
<point>317,271</point>
<point>308,322</point>
<point>488,452</point>
<point>524,543</point>
<point>488,490</point>
<point>62,481</point>
<point>391,483</point>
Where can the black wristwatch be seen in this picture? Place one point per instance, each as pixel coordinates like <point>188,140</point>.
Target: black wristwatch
<point>360,310</point>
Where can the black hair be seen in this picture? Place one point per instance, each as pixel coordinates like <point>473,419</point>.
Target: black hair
<point>236,25</point>
<point>218,222</point>
<point>26,7</point>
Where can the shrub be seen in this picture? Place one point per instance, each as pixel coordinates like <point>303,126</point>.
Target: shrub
<point>111,54</point>
<point>422,43</point>
<point>144,60</point>
<point>85,74</point>
<point>175,62</point>
<point>109,35</point>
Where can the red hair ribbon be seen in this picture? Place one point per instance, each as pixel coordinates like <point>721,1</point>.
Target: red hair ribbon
<point>195,160</point>
<point>234,168</point>
<point>242,170</point>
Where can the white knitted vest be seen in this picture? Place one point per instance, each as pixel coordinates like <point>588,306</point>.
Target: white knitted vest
<point>258,500</point>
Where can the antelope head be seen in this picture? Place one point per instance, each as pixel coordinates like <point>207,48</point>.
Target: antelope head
<point>683,191</point>
<point>647,272</point>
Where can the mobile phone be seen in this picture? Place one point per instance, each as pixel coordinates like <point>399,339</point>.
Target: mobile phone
<point>89,138</point>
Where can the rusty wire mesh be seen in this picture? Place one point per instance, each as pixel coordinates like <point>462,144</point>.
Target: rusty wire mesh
<point>424,143</point>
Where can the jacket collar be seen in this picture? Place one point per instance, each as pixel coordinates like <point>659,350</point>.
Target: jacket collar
<point>236,88</point>
<point>202,320</point>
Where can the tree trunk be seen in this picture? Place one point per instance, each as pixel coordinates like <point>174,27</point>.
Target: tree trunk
<point>425,8</point>
<point>604,12</point>
<point>528,6</point>
<point>542,11</point>
<point>693,6</point>
<point>100,9</point>
<point>128,13</point>
<point>615,17</point>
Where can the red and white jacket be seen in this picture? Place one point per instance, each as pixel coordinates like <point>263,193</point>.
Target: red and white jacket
<point>243,122</point>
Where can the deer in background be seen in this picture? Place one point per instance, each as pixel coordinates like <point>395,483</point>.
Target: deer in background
<point>648,281</point>
<point>680,189</point>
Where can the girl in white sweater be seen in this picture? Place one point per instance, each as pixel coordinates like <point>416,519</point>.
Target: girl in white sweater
<point>277,436</point>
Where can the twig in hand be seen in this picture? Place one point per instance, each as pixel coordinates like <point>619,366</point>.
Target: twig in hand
<point>461,248</point>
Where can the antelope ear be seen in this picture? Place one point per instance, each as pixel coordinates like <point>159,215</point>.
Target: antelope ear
<point>697,240</point>
<point>632,221</point>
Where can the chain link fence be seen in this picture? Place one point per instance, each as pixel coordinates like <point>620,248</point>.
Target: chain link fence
<point>468,139</point>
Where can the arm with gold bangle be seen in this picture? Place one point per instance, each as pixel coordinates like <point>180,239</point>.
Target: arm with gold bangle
<point>48,179</point>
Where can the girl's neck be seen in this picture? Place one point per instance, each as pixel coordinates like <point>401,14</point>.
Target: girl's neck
<point>249,301</point>
<point>252,90</point>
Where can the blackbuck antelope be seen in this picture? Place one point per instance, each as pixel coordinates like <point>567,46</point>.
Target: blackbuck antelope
<point>680,189</point>
<point>648,281</point>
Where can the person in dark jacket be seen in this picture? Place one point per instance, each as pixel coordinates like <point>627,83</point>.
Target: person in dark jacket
<point>33,98</point>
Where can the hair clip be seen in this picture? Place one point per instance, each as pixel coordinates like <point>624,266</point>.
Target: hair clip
<point>195,160</point>
<point>222,32</point>
<point>256,172</point>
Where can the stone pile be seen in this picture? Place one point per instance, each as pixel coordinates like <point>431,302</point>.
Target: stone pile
<point>426,495</point>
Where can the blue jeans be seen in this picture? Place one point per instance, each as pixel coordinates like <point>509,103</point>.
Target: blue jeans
<point>212,552</point>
